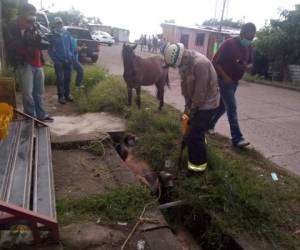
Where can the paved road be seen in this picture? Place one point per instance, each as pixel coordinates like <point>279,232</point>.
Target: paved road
<point>269,116</point>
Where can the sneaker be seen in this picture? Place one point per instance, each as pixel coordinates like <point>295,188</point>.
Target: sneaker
<point>69,98</point>
<point>242,143</point>
<point>61,100</point>
<point>48,119</point>
<point>211,131</point>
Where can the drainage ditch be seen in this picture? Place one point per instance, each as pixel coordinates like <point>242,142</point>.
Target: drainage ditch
<point>198,227</point>
<point>194,229</point>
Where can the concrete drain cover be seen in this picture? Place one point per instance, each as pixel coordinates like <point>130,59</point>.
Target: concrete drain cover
<point>89,125</point>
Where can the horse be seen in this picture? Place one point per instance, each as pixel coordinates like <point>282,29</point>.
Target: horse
<point>144,72</point>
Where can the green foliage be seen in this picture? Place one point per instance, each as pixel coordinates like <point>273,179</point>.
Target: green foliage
<point>239,191</point>
<point>74,17</point>
<point>11,8</point>
<point>70,17</point>
<point>49,74</point>
<point>279,41</point>
<point>101,93</point>
<point>8,72</point>
<point>122,203</point>
<point>227,22</point>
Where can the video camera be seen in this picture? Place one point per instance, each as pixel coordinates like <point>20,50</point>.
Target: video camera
<point>36,36</point>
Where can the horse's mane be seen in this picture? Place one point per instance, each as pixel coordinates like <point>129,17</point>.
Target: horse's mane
<point>128,58</point>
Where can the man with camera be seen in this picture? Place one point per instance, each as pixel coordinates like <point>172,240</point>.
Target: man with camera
<point>24,43</point>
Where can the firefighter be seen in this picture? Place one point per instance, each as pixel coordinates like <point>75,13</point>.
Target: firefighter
<point>199,86</point>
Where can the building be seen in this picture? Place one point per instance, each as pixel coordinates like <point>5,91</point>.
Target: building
<point>205,40</point>
<point>120,35</point>
<point>100,27</point>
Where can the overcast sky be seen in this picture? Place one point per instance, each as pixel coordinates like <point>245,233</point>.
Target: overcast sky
<point>145,16</point>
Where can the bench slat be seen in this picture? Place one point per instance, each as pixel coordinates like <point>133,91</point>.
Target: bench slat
<point>19,189</point>
<point>43,196</point>
<point>7,153</point>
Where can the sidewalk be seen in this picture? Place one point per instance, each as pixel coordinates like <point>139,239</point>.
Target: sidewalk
<point>284,85</point>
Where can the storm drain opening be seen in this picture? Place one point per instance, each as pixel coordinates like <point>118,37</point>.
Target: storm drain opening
<point>193,229</point>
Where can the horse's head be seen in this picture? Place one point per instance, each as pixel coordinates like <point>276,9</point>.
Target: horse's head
<point>128,58</point>
<point>128,50</point>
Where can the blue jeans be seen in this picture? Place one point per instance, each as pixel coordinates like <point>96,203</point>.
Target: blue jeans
<point>31,80</point>
<point>79,72</point>
<point>228,103</point>
<point>63,77</point>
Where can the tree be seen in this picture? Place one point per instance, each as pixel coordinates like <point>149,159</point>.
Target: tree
<point>227,23</point>
<point>70,17</point>
<point>279,41</point>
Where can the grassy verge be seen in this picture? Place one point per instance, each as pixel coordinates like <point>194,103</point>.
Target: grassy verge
<point>120,204</point>
<point>237,188</point>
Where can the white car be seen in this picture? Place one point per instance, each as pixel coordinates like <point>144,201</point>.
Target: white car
<point>103,37</point>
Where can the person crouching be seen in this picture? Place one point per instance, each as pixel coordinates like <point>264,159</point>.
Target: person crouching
<point>199,85</point>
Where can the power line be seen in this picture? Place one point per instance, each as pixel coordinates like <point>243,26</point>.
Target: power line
<point>222,17</point>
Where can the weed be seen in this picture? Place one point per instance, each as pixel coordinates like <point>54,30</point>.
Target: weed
<point>122,203</point>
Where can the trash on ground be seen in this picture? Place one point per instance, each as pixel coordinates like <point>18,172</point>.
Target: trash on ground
<point>122,223</point>
<point>140,245</point>
<point>274,176</point>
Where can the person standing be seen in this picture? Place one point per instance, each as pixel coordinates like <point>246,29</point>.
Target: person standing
<point>24,43</point>
<point>76,64</point>
<point>62,55</point>
<point>231,61</point>
<point>199,87</point>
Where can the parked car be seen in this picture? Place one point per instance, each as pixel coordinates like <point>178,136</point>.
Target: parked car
<point>90,48</point>
<point>103,37</point>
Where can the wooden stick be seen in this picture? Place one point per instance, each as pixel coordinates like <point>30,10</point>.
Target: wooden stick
<point>30,117</point>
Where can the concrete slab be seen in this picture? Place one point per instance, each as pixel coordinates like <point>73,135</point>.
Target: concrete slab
<point>89,125</point>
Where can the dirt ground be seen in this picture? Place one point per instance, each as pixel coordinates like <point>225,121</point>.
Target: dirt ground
<point>79,174</point>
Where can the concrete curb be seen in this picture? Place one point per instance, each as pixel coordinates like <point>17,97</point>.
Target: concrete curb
<point>275,84</point>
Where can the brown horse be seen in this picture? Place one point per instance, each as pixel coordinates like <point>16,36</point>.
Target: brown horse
<point>144,72</point>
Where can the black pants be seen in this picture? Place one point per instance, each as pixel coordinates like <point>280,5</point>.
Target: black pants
<point>199,124</point>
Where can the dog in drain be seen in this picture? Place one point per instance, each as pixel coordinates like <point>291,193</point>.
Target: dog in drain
<point>162,180</point>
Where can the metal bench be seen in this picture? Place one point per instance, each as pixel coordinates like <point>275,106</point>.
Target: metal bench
<point>26,178</point>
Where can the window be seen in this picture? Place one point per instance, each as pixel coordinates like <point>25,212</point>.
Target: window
<point>200,39</point>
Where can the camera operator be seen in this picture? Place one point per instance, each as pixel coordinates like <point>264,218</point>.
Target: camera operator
<point>24,43</point>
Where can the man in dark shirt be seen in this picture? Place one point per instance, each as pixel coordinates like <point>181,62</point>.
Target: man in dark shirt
<point>24,46</point>
<point>231,61</point>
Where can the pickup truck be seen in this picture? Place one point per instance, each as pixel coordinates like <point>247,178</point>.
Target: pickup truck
<point>90,47</point>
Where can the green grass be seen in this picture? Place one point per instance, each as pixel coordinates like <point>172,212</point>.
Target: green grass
<point>252,78</point>
<point>123,203</point>
<point>7,72</point>
<point>237,189</point>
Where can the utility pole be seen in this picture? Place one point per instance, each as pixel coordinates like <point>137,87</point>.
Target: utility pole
<point>41,4</point>
<point>216,7</point>
<point>222,17</point>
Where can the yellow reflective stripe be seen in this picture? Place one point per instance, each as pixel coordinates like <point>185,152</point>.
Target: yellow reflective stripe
<point>197,168</point>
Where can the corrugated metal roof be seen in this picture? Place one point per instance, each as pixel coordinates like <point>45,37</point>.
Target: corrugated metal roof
<point>225,30</point>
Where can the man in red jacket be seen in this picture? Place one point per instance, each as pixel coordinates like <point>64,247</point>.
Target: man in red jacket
<point>24,45</point>
<point>231,61</point>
